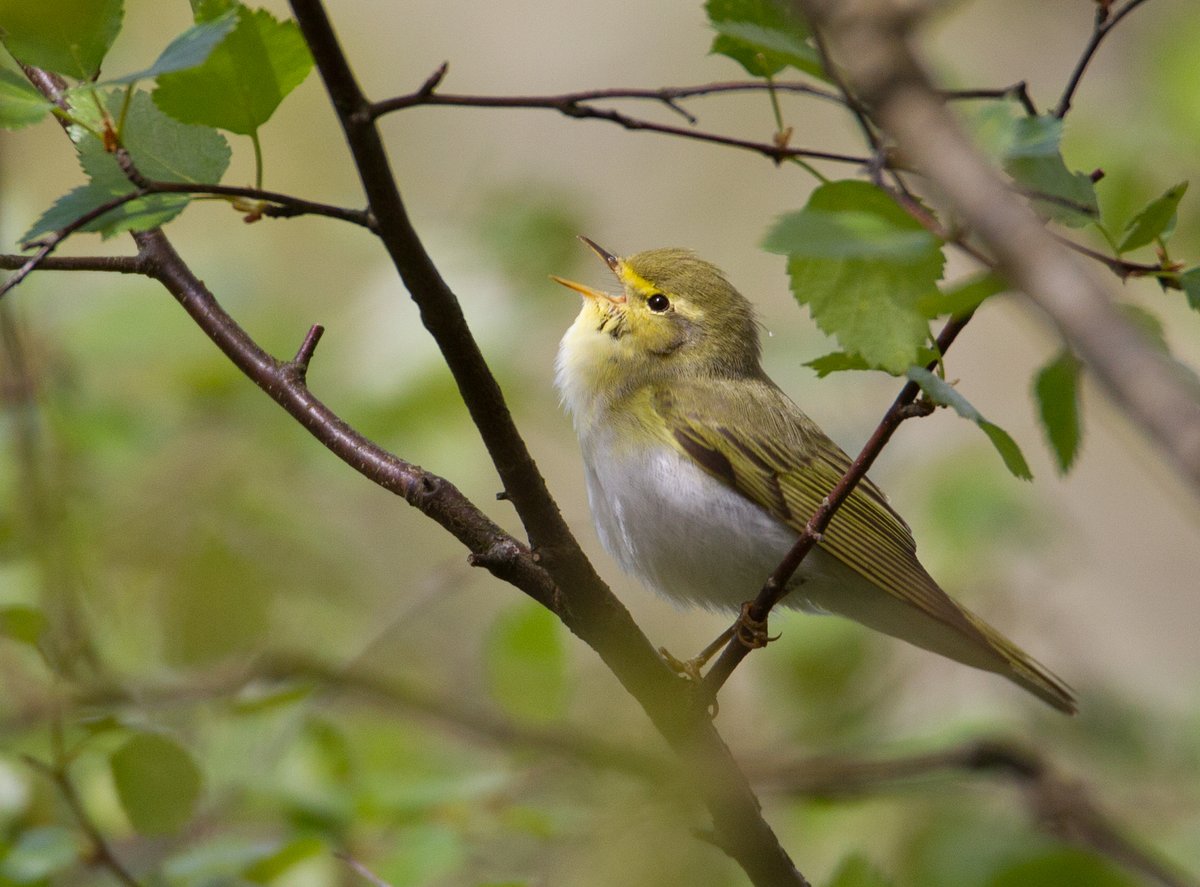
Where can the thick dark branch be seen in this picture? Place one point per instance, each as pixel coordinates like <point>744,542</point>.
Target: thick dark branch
<point>283,381</point>
<point>589,608</point>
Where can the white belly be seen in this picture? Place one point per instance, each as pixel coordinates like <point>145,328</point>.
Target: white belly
<point>693,539</point>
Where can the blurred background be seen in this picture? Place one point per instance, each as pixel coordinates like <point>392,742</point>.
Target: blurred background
<point>345,680</point>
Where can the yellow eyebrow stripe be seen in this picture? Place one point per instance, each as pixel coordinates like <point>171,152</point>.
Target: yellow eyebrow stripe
<point>631,278</point>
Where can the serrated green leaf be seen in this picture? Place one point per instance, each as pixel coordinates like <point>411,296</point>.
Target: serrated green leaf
<point>841,361</point>
<point>207,10</point>
<point>188,50</point>
<point>162,149</point>
<point>762,36</point>
<point>157,783</point>
<point>964,297</point>
<point>837,362</point>
<point>1032,157</point>
<point>20,103</point>
<point>1056,387</point>
<point>944,394</point>
<point>1156,221</point>
<point>857,871</point>
<point>1190,282</point>
<point>68,37</point>
<point>24,624</point>
<point>864,267</point>
<point>526,664</point>
<point>243,80</point>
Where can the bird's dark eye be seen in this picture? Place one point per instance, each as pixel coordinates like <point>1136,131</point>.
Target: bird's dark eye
<point>658,303</point>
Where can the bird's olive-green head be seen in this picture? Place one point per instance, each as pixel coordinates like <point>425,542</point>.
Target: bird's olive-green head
<point>676,315</point>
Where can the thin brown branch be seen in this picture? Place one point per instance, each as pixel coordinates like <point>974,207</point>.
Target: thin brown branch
<point>1106,20</point>
<point>776,586</point>
<point>1063,806</point>
<point>103,852</point>
<point>50,243</point>
<point>1018,91</point>
<point>577,105</point>
<point>118,264</point>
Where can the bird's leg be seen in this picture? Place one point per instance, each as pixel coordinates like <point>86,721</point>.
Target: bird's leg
<point>691,668</point>
<point>750,631</point>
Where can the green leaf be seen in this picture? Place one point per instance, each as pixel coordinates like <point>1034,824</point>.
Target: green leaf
<point>1156,221</point>
<point>37,853</point>
<point>243,80</point>
<point>68,37</point>
<point>1057,390</point>
<point>162,149</point>
<point>857,871</point>
<point>1032,157</point>
<point>837,362</point>
<point>157,782</point>
<point>24,624</point>
<point>188,50</point>
<point>841,361</point>
<point>1190,281</point>
<point>864,267</point>
<point>270,867</point>
<point>1148,322</point>
<point>763,37</point>
<point>1054,868</point>
<point>20,103</point>
<point>964,297</point>
<point>526,664</point>
<point>943,393</point>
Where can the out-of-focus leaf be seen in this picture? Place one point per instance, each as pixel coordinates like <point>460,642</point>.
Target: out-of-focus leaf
<point>863,266</point>
<point>163,149</point>
<point>943,393</point>
<point>964,297</point>
<point>20,103</point>
<point>526,663</point>
<point>1156,221</point>
<point>857,871</point>
<point>1148,322</point>
<point>270,867</point>
<point>1056,868</point>
<point>1033,158</point>
<point>189,49</point>
<point>38,853</point>
<point>424,853</point>
<point>68,37</point>
<point>24,624</point>
<point>243,80</point>
<point>1190,281</point>
<point>1057,390</point>
<point>763,37</point>
<point>157,782</point>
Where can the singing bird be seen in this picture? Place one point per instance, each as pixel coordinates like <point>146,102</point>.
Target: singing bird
<point>701,472</point>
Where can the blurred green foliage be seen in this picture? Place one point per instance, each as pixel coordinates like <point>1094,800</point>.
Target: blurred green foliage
<point>228,641</point>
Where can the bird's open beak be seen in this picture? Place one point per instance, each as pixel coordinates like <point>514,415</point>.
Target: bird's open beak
<point>615,264</point>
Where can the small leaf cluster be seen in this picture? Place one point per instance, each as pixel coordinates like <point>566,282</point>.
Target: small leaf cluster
<point>229,71</point>
<point>867,259</point>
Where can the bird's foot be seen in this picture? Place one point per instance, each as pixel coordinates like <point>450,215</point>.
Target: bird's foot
<point>750,631</point>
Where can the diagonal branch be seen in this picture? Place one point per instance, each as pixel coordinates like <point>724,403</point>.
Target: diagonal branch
<point>870,37</point>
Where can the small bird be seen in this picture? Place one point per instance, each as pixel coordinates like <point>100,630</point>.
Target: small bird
<point>701,472</point>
